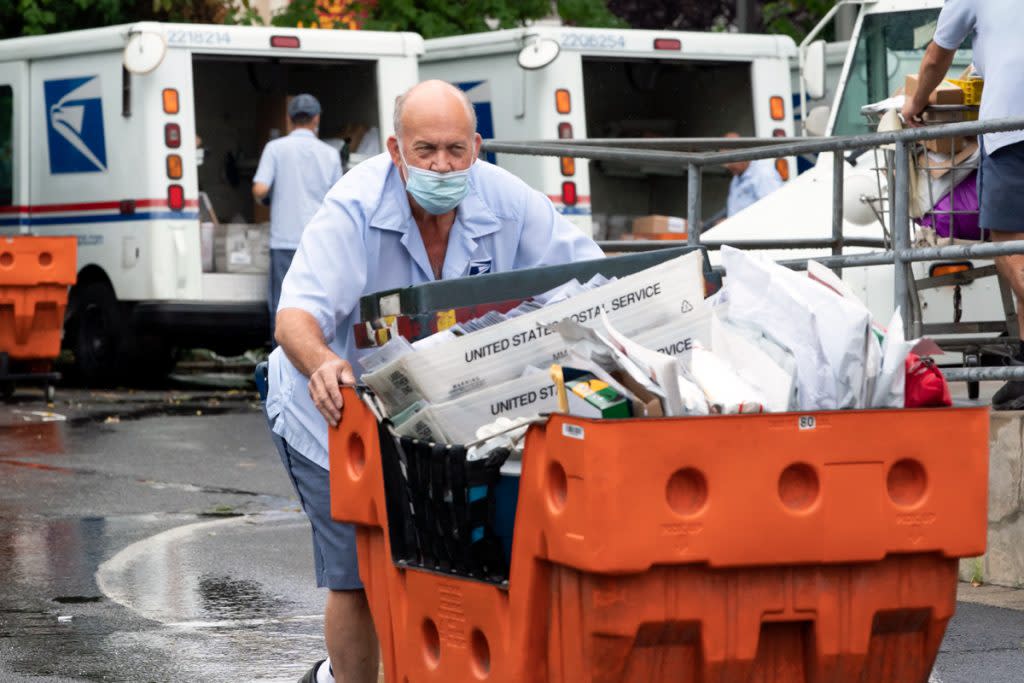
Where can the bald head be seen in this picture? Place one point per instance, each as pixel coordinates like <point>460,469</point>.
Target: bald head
<point>435,129</point>
<point>438,98</point>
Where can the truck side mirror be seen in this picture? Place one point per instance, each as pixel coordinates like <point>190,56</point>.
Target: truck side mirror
<point>817,120</point>
<point>814,69</point>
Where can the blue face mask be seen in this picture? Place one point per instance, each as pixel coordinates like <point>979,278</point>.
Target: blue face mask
<point>437,193</point>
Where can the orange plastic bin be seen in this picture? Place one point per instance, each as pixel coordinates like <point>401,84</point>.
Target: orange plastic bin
<point>777,548</point>
<point>35,273</point>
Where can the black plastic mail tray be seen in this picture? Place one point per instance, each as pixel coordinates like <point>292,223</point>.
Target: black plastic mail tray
<point>513,285</point>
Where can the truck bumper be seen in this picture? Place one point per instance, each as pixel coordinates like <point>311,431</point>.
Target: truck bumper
<point>227,327</point>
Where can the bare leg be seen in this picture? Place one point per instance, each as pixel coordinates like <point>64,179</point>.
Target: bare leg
<point>351,639</point>
<point>1012,269</point>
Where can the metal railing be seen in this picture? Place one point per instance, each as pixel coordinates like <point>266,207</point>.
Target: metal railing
<point>696,154</point>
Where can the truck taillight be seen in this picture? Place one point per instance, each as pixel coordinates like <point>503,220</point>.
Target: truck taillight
<point>777,107</point>
<point>562,103</point>
<point>284,41</point>
<point>174,167</point>
<point>568,166</point>
<point>175,197</point>
<point>565,131</point>
<point>170,96</point>
<point>172,135</point>
<point>782,166</point>
<point>569,193</point>
<point>779,133</point>
<point>668,44</point>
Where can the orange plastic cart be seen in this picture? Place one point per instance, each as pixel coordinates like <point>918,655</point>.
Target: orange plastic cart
<point>35,273</point>
<point>780,548</point>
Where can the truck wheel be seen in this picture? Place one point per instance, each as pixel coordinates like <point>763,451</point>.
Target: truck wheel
<point>96,334</point>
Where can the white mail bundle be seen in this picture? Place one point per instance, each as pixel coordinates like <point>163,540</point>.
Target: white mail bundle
<point>671,292</point>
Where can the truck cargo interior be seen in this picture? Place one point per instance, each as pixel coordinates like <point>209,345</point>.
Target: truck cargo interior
<point>627,98</point>
<point>241,104</point>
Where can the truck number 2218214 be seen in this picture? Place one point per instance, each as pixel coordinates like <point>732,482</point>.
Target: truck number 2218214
<point>198,38</point>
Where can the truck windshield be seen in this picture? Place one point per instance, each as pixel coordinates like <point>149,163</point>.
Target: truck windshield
<point>889,47</point>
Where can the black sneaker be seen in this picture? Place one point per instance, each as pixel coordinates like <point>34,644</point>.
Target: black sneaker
<point>310,676</point>
<point>1010,396</point>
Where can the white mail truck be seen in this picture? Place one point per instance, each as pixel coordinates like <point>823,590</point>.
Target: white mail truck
<point>129,136</point>
<point>549,82</point>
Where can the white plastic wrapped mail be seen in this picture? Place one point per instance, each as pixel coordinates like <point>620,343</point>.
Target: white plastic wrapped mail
<point>457,421</point>
<point>679,337</point>
<point>726,392</point>
<point>826,333</point>
<point>890,385</point>
<point>753,365</point>
<point>873,348</point>
<point>499,353</point>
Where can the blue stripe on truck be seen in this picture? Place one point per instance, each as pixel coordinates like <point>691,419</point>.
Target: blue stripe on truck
<point>101,218</point>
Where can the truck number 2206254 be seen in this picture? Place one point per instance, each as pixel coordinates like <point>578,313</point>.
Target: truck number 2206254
<point>198,38</point>
<point>590,41</point>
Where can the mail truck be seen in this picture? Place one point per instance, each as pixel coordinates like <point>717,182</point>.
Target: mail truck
<point>549,82</point>
<point>102,133</point>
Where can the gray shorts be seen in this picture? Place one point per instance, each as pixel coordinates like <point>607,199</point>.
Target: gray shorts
<point>334,543</point>
<point>1001,189</point>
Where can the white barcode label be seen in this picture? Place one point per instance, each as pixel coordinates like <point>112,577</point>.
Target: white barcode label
<point>572,431</point>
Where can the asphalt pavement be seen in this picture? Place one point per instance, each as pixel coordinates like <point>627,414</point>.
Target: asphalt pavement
<point>153,536</point>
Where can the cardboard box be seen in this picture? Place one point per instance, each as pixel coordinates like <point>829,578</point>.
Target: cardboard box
<point>672,292</point>
<point>946,93</point>
<point>948,145</point>
<point>655,236</point>
<point>241,248</point>
<point>659,224</point>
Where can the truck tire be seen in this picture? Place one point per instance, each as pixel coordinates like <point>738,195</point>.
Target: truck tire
<point>95,332</point>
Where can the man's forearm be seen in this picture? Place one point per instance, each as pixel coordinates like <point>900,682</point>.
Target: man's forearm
<point>302,340</point>
<point>934,67</point>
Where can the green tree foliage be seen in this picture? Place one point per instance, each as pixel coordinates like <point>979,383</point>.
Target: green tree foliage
<point>36,17</point>
<point>436,18</point>
<point>793,17</point>
<point>676,15</point>
<point>431,18</point>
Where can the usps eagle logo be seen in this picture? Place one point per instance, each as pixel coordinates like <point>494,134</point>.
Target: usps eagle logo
<point>74,122</point>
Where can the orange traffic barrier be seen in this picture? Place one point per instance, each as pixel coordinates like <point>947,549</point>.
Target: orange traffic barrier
<point>35,273</point>
<point>777,548</point>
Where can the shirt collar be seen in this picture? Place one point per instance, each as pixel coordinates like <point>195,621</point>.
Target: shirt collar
<point>473,220</point>
<point>303,131</point>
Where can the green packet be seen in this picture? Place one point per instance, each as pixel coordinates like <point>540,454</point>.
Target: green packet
<point>599,399</point>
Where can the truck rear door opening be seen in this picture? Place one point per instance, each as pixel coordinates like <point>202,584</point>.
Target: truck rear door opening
<point>646,98</point>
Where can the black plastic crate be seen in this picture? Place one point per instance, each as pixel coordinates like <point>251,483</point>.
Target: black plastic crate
<point>441,508</point>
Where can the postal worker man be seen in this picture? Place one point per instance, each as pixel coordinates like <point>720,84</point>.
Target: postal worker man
<point>425,210</point>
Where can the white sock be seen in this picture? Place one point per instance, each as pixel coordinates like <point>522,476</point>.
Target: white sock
<point>323,674</point>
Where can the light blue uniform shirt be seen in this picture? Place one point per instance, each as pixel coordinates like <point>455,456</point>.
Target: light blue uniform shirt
<point>758,180</point>
<point>364,240</point>
<point>998,56</point>
<point>300,169</point>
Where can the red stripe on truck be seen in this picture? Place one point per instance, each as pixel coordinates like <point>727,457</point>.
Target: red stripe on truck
<point>93,206</point>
